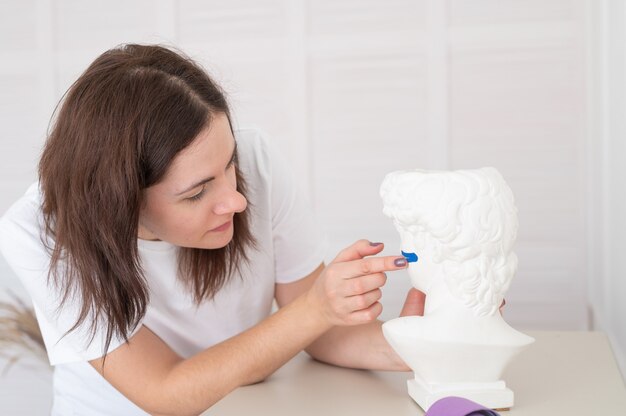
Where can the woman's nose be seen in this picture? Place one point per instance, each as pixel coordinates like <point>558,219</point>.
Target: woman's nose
<point>232,201</point>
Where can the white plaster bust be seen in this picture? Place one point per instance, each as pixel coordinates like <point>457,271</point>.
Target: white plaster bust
<point>462,226</point>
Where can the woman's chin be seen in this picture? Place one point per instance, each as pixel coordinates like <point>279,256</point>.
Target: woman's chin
<point>213,242</point>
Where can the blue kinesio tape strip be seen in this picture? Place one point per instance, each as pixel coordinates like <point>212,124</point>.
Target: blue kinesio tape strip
<point>410,257</point>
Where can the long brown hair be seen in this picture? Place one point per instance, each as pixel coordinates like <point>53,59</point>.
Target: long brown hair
<point>116,133</point>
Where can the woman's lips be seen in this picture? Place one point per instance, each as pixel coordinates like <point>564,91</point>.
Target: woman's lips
<point>222,227</point>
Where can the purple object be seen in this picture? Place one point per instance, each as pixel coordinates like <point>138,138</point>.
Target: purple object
<point>458,406</point>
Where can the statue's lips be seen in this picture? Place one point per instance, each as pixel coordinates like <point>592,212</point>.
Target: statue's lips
<point>410,257</point>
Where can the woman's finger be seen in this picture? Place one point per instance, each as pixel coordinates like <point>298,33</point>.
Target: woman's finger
<point>358,250</point>
<point>414,303</point>
<point>364,301</point>
<point>362,284</point>
<point>366,315</point>
<point>367,266</point>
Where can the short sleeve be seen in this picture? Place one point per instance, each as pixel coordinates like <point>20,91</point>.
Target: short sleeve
<point>23,248</point>
<point>299,242</point>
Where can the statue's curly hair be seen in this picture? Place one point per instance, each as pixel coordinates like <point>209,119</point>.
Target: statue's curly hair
<point>469,219</point>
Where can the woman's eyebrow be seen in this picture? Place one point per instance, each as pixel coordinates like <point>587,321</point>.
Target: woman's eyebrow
<point>205,180</point>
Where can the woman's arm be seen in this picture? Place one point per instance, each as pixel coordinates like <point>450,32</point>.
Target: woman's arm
<point>151,375</point>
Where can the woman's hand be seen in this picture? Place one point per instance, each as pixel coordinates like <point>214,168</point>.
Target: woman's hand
<point>414,303</point>
<point>348,289</point>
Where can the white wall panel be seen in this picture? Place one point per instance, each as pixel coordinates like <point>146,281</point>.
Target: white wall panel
<point>214,21</point>
<point>24,87</point>
<point>348,17</point>
<point>482,12</point>
<point>18,26</point>
<point>518,103</point>
<point>351,90</point>
<point>95,25</point>
<point>368,102</point>
<point>368,116</point>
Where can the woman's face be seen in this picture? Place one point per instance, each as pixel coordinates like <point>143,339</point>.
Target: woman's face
<point>194,205</point>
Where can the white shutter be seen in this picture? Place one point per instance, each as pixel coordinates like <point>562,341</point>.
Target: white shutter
<point>351,90</point>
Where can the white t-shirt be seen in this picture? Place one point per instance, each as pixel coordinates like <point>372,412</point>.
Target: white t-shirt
<point>289,248</point>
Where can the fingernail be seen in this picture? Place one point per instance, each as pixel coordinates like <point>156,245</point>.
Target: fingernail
<point>375,244</point>
<point>400,262</point>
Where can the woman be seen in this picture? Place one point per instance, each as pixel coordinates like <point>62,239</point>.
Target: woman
<point>157,239</point>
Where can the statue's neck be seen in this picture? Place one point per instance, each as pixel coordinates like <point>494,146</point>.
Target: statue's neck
<point>440,302</point>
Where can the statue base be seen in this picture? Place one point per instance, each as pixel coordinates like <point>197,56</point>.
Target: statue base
<point>492,395</point>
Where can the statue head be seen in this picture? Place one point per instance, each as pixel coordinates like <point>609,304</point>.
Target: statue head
<point>462,225</point>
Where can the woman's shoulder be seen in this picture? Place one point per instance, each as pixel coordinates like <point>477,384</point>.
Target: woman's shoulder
<point>252,142</point>
<point>26,210</point>
<point>22,223</point>
<point>254,152</point>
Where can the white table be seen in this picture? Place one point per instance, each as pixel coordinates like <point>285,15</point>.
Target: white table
<point>562,373</point>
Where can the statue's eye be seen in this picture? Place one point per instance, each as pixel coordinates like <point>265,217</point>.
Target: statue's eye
<point>410,257</point>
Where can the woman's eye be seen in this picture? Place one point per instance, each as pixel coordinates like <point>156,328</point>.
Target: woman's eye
<point>197,196</point>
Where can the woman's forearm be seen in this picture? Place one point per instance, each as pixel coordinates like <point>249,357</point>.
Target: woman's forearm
<point>362,346</point>
<point>159,381</point>
<point>200,381</point>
